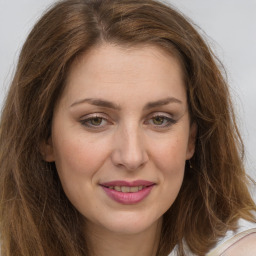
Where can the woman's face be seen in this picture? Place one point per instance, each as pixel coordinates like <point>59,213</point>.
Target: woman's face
<point>121,135</point>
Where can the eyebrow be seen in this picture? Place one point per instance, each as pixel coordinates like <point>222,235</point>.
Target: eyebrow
<point>162,102</point>
<point>97,102</point>
<point>108,104</point>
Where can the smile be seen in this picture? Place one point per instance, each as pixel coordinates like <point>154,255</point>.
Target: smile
<point>126,189</point>
<point>127,192</point>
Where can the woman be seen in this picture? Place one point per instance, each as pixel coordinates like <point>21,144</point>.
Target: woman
<point>118,138</point>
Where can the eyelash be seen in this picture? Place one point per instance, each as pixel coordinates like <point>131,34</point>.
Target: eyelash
<point>168,121</point>
<point>87,121</point>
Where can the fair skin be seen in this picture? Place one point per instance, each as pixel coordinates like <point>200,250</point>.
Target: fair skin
<point>123,116</point>
<point>244,247</point>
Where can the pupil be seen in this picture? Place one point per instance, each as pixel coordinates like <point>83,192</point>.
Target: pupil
<point>158,120</point>
<point>96,121</point>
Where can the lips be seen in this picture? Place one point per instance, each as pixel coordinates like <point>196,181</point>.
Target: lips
<point>127,189</point>
<point>125,192</point>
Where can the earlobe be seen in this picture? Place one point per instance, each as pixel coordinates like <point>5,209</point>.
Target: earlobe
<point>47,151</point>
<point>191,141</point>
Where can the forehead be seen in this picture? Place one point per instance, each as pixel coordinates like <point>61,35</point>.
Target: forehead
<point>142,70</point>
<point>107,53</point>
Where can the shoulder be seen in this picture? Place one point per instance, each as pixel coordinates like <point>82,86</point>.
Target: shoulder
<point>243,247</point>
<point>241,242</point>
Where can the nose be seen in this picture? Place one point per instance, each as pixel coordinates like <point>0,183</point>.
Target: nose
<point>129,150</point>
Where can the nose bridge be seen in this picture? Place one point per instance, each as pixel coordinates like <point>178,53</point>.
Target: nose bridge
<point>129,150</point>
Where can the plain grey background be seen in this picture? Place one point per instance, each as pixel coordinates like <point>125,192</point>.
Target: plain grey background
<point>228,25</point>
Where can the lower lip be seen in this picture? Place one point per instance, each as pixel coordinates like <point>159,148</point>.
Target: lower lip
<point>128,198</point>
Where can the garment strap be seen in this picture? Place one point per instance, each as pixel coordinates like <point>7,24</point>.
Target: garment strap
<point>218,251</point>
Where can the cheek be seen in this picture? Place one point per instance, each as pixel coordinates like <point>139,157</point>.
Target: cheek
<point>76,156</point>
<point>78,163</point>
<point>170,159</point>
<point>170,156</point>
<point>78,160</point>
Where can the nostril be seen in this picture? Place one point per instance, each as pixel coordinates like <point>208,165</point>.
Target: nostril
<point>129,160</point>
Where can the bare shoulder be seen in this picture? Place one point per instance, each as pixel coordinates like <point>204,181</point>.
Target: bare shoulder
<point>244,247</point>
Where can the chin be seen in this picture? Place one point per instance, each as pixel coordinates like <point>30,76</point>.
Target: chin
<point>130,223</point>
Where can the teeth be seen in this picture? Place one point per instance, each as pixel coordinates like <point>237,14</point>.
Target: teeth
<point>134,189</point>
<point>126,189</point>
<point>117,188</point>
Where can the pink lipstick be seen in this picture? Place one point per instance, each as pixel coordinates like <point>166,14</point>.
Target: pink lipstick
<point>125,192</point>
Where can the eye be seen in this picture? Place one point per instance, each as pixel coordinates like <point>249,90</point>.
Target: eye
<point>94,121</point>
<point>161,121</point>
<point>158,120</point>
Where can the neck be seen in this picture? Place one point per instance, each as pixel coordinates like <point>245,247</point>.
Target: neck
<point>103,242</point>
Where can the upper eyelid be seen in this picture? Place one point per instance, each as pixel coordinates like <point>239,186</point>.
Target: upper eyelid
<point>85,122</point>
<point>168,118</point>
<point>91,116</point>
<point>86,119</point>
<point>159,113</point>
<point>94,115</point>
<point>106,116</point>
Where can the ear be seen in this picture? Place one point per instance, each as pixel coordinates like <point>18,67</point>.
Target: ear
<point>191,141</point>
<point>47,151</point>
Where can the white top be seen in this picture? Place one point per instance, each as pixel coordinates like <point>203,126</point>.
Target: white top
<point>244,228</point>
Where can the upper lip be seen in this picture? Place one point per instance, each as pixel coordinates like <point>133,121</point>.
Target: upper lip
<point>134,183</point>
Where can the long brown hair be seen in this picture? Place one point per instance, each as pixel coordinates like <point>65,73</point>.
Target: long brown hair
<point>36,218</point>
